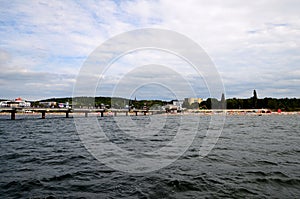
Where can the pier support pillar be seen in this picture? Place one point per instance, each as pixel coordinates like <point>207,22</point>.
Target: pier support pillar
<point>126,113</point>
<point>43,114</point>
<point>101,113</point>
<point>86,114</point>
<point>115,113</point>
<point>67,114</point>
<point>145,113</point>
<point>136,113</point>
<point>13,115</point>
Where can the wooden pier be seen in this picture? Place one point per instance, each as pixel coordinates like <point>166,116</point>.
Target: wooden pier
<point>115,112</point>
<point>67,111</point>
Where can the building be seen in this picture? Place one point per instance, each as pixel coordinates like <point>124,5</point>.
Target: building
<point>175,107</point>
<point>192,100</point>
<point>48,104</point>
<point>171,108</point>
<point>4,104</point>
<point>64,105</point>
<point>178,103</point>
<point>18,102</point>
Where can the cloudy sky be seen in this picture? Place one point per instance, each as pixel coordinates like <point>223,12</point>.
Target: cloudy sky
<point>254,45</point>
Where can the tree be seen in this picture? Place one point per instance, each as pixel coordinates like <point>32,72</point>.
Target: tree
<point>185,104</point>
<point>212,103</point>
<point>203,105</point>
<point>194,105</point>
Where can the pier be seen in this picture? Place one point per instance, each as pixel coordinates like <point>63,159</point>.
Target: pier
<point>43,111</point>
<point>115,112</point>
<point>67,111</point>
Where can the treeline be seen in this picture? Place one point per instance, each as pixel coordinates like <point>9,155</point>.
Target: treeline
<point>285,104</point>
<point>108,102</point>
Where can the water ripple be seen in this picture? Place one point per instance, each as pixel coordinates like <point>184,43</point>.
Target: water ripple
<point>255,157</point>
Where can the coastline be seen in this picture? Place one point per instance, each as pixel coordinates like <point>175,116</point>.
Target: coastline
<point>187,113</point>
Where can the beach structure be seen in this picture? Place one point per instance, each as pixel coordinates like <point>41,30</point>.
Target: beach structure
<point>192,100</point>
<point>18,102</point>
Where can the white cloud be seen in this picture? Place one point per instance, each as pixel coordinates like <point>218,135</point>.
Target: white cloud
<point>253,44</point>
<point>35,85</point>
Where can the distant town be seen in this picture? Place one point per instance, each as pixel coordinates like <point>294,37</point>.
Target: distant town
<point>274,104</point>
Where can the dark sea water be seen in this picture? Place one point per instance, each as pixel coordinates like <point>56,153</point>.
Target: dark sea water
<point>255,157</point>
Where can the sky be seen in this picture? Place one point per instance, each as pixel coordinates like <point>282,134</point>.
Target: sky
<point>253,45</point>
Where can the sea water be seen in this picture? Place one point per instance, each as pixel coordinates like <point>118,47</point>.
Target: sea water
<point>255,157</point>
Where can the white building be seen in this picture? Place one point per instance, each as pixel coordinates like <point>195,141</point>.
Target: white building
<point>178,103</point>
<point>18,102</point>
<point>4,104</point>
<point>48,104</point>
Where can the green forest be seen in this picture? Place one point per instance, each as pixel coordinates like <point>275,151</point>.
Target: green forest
<point>107,102</point>
<point>285,104</point>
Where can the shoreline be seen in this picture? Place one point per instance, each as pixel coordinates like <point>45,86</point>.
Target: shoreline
<point>111,114</point>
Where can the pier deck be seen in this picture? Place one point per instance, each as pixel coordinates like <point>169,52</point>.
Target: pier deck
<point>115,112</point>
<point>67,111</point>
